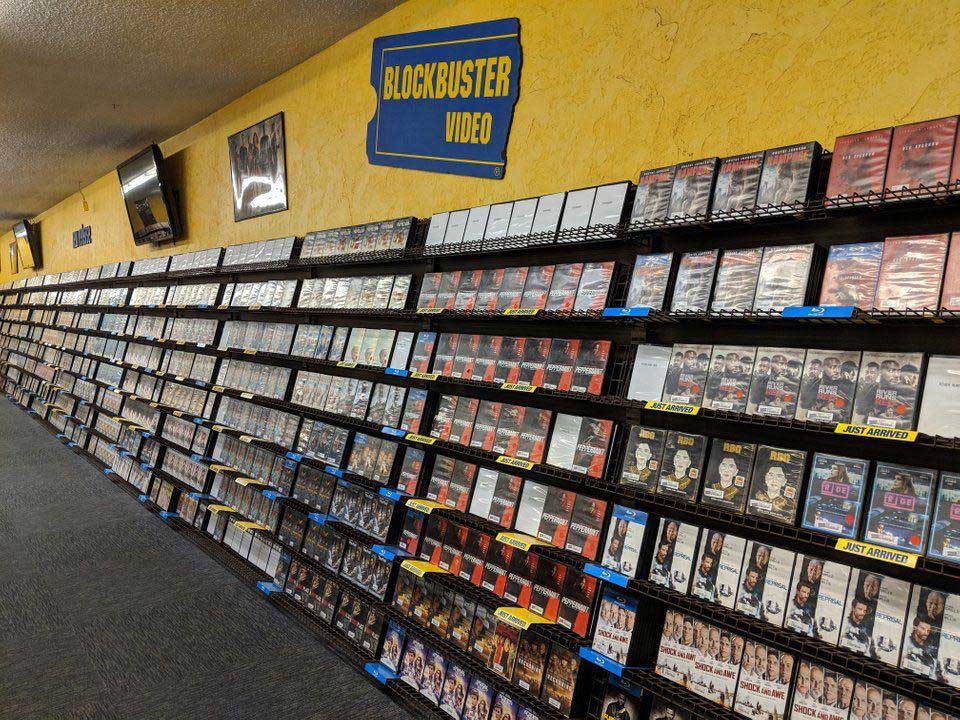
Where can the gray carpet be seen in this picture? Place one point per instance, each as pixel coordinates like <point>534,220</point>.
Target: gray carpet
<point>107,613</point>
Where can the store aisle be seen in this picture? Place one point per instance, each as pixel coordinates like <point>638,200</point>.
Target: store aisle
<point>107,613</point>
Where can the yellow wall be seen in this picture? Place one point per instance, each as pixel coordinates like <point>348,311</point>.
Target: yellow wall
<point>608,88</point>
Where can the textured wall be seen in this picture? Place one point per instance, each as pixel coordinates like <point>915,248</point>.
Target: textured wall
<point>608,88</point>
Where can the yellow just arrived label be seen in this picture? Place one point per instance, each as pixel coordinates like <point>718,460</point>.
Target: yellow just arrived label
<point>246,525</point>
<point>520,618</point>
<point>518,540</point>
<point>248,351</point>
<point>421,567</point>
<point>220,508</point>
<point>429,311</point>
<point>344,363</point>
<point>518,387</point>
<point>425,439</point>
<point>424,376</point>
<point>521,311</point>
<point>176,413</point>
<point>245,438</point>
<point>244,481</point>
<point>874,431</point>
<point>220,468</point>
<point>679,408</point>
<point>424,506</point>
<point>875,552</point>
<point>515,462</point>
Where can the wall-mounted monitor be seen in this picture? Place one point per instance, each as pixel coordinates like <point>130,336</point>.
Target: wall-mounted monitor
<point>28,245</point>
<point>148,199</point>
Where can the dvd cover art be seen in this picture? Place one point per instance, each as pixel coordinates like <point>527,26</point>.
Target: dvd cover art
<point>591,365</point>
<point>434,670</point>
<point>422,352</point>
<point>563,287</point>
<point>945,526</point>
<point>505,642</point>
<point>504,503</point>
<point>560,679</point>
<point>591,295</point>
<point>859,163</point>
<point>414,658</point>
<point>485,363</point>
<point>681,471</point>
<point>454,693</point>
<point>765,582</point>
<point>674,553</point>
<point>950,296</point>
<point>686,376</point>
<point>644,452</point>
<point>775,386</point>
<point>613,633</point>
<point>576,210</point>
<point>691,289</point>
<point>413,410</point>
<point>874,616</point>
<point>447,292</point>
<point>504,707</point>
<point>775,486</point>
<point>692,188</point>
<point>475,556</point>
<point>828,386</point>
<point>461,620</point>
<point>446,351</point>
<point>736,283</point>
<point>719,562</point>
<point>931,647</point>
<point>507,368</point>
<point>764,683</point>
<point>920,154</point>
<point>619,704</point>
<point>624,543</point>
<point>887,389</point>
<point>652,200</point>
<point>851,274</point>
<point>443,417</point>
<point>428,289</point>
<point>479,700</point>
<point>835,494</point>
<point>466,297</point>
<point>787,174</point>
<point>494,577</point>
<point>651,364</point>
<point>899,512</point>
<point>485,425</point>
<point>454,542</point>
<point>519,585</point>
<point>728,380</point>
<point>482,634</point>
<point>576,602</point>
<point>511,289</point>
<point>911,272</point>
<point>784,274</point>
<point>580,444</point>
<point>649,280</point>
<point>728,474</point>
<point>558,371</point>
<point>490,283</point>
<point>738,180</point>
<point>661,710</point>
<point>537,287</point>
<point>715,663</point>
<point>547,586</point>
<point>817,595</point>
<point>678,652</point>
<point>583,538</point>
<point>483,492</point>
<point>461,427</point>
<point>463,360</point>
<point>822,693</point>
<point>555,516</point>
<point>393,643</point>
<point>533,365</point>
<point>531,663</point>
<point>531,444</point>
<point>941,397</point>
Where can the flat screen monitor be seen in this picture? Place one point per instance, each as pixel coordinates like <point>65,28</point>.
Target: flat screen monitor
<point>147,197</point>
<point>28,245</point>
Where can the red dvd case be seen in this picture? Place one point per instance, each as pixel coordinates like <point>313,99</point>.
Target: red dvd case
<point>466,354</point>
<point>537,287</point>
<point>461,429</point>
<point>920,154</point>
<point>911,272</point>
<point>591,366</point>
<point>490,284</point>
<point>950,297</point>
<point>558,373</point>
<point>446,350</point>
<point>485,426</point>
<point>507,368</point>
<point>535,353</point>
<point>859,164</point>
<point>594,287</point>
<point>563,288</point>
<point>447,294</point>
<point>511,289</point>
<point>484,366</point>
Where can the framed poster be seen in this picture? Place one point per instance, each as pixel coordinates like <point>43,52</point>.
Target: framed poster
<point>258,169</point>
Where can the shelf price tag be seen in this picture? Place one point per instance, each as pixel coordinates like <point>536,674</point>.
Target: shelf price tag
<point>399,372</point>
<point>818,311</point>
<point>245,439</point>
<point>520,617</point>
<point>421,567</point>
<point>429,311</point>
<point>515,462</point>
<point>424,506</point>
<point>602,573</point>
<point>424,376</point>
<point>523,312</point>
<point>873,431</point>
<point>518,540</point>
<point>679,408</point>
<point>875,552</point>
<point>626,312</point>
<point>518,387</point>
<point>381,672</point>
<point>424,439</point>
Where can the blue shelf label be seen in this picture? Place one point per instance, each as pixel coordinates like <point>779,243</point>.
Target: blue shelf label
<point>271,494</point>
<point>392,494</point>
<point>198,421</point>
<point>334,471</point>
<point>626,312</point>
<point>143,498</point>
<point>381,672</point>
<point>399,372</point>
<point>268,587</point>
<point>318,518</point>
<point>164,514</point>
<point>196,458</point>
<point>390,552</point>
<point>603,573</point>
<point>144,434</point>
<point>396,432</point>
<point>818,311</point>
<point>145,466</point>
<point>592,656</point>
<point>626,685</point>
<point>200,383</point>
<point>296,457</point>
<point>290,464</point>
<point>61,435</point>
<point>203,306</point>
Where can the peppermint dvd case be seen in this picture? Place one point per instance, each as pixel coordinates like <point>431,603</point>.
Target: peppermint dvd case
<point>576,602</point>
<point>828,385</point>
<point>950,295</point>
<point>649,280</point>
<point>694,281</point>
<point>719,563</point>
<point>900,507</point>
<point>591,293</point>
<point>728,473</point>
<point>775,486</point>
<point>775,386</point>
<point>563,287</point>
<point>728,380</point>
<point>511,289</point>
<point>817,595</point>
<point>674,553</point>
<point>583,538</point>
<point>547,587</point>
<point>738,180</point>
<point>875,615</point>
<point>789,174</point>
<point>537,287</point>
<point>681,472</point>
<point>591,366</point>
<point>558,371</point>
<point>858,165</point>
<point>835,491</point>
<point>642,457</point>
<point>736,283</point>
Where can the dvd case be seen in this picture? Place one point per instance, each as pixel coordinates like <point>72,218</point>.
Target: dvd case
<point>874,616</point>
<point>563,287</point>
<point>682,467</point>
<point>560,679</point>
<point>719,562</point>
<point>784,276</point>
<point>940,410</point>
<point>738,180</point>
<point>558,371</point>
<point>613,632</point>
<point>736,282</point>
<point>817,594</point>
<point>454,695</point>
<point>887,389</point>
<point>547,587</point>
<point>652,200</point>
<point>583,538</point>
<point>714,664</point>
<point>835,494</point>
<point>764,683</point>
<point>621,702</point>
<point>531,663</point>
<point>823,694</point>
<point>789,174</point>
<point>537,287</point>
<point>920,154</point>
<point>624,543</point>
<point>641,462</point>
<point>911,272</point>
<point>775,487</point>
<point>674,553</point>
<point>858,166</point>
<point>580,444</point>
<point>900,506</point>
<point>591,294</point>
<point>851,274</point>
<point>650,366</point>
<point>945,526</point>
<point>728,380</point>
<point>765,582</point>
<point>775,386</point>
<point>691,289</point>
<point>686,377</point>
<point>931,647</point>
<point>692,188</point>
<point>728,474</point>
<point>828,386</point>
<point>591,365</point>
<point>649,280</point>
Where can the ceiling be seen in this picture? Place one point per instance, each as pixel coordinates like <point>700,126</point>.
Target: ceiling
<point>87,83</point>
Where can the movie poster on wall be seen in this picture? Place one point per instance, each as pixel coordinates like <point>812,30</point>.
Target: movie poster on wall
<point>258,169</point>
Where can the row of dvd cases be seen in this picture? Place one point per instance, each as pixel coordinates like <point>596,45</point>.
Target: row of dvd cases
<point>204,412</point>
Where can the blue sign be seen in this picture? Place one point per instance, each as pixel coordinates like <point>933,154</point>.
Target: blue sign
<point>445,98</point>
<point>818,311</point>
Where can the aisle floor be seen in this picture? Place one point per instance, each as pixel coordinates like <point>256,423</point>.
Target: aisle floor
<point>106,613</point>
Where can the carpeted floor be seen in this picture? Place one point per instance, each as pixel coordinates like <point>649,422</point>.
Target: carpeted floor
<point>107,613</point>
